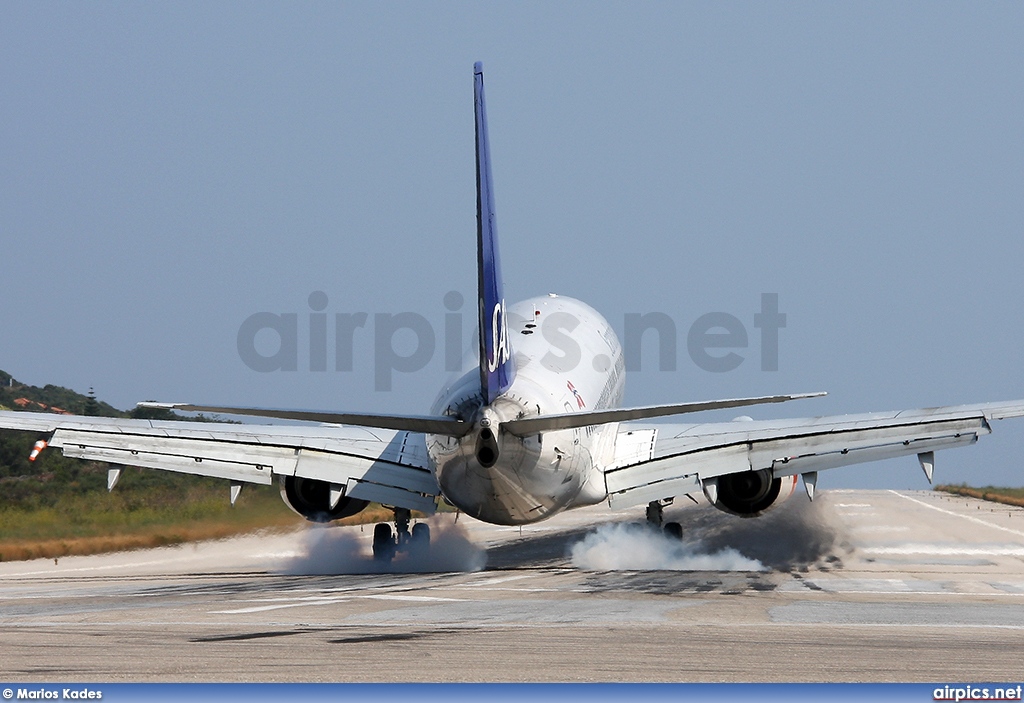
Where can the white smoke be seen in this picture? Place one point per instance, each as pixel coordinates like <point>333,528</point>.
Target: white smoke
<point>342,550</point>
<point>636,547</point>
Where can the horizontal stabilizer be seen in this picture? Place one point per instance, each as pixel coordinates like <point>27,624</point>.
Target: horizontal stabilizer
<point>442,424</point>
<point>564,421</point>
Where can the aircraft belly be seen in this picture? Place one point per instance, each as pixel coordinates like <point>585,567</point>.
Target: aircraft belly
<point>505,495</point>
<point>568,360</point>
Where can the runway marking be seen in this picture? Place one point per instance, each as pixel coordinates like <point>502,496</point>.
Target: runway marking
<point>279,606</point>
<point>312,600</point>
<point>934,549</point>
<point>519,590</point>
<point>944,615</point>
<point>417,599</point>
<point>502,579</point>
<point>811,592</point>
<point>57,571</point>
<point>888,586</point>
<point>960,515</point>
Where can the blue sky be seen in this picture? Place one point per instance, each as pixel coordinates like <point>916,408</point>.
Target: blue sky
<point>168,169</point>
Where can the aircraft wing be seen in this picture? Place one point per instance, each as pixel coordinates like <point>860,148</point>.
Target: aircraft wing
<point>656,461</point>
<point>384,466</point>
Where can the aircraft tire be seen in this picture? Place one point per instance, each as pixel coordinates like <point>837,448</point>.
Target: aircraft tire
<point>383,542</point>
<point>421,534</point>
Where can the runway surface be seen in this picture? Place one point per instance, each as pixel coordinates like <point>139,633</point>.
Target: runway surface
<point>858,586</point>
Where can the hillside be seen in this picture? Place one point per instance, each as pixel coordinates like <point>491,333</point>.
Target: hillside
<point>19,396</point>
<point>31,484</point>
<point>56,506</point>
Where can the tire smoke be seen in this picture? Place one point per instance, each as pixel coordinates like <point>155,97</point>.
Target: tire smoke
<point>332,551</point>
<point>637,547</point>
<point>798,534</point>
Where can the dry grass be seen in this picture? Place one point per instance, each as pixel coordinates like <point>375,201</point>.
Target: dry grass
<point>1007,496</point>
<point>137,531</point>
<point>16,550</point>
<point>373,513</point>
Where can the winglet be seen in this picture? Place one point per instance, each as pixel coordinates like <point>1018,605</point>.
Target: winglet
<point>497,370</point>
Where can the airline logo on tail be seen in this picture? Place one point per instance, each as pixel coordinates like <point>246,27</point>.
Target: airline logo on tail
<point>501,350</point>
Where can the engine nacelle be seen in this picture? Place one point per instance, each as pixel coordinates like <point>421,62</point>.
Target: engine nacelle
<point>312,500</point>
<point>748,493</point>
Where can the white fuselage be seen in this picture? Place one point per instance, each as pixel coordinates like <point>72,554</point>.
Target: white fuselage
<point>567,359</point>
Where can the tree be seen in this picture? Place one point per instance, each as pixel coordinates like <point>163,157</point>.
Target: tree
<point>92,407</point>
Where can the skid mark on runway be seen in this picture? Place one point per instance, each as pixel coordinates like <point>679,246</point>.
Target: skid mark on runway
<point>388,637</point>
<point>672,583</point>
<point>247,636</point>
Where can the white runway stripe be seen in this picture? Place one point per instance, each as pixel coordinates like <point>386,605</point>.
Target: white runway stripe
<point>960,515</point>
<point>1007,550</point>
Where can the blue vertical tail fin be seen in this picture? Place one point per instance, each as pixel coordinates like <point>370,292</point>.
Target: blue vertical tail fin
<point>497,370</point>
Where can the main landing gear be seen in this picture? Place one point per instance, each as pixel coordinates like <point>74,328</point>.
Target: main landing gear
<point>656,519</point>
<point>387,542</point>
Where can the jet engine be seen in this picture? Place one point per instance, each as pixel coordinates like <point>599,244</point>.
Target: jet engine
<point>312,500</point>
<point>748,493</point>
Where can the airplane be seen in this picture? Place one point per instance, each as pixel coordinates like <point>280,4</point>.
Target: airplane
<point>532,427</point>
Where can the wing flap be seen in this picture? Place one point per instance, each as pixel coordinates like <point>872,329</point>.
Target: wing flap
<point>231,470</point>
<point>341,468</point>
<point>636,484</point>
<point>821,447</point>
<point>640,494</point>
<point>839,458</point>
<point>373,464</point>
<point>235,461</point>
<point>392,495</point>
<point>682,456</point>
<point>129,449</point>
